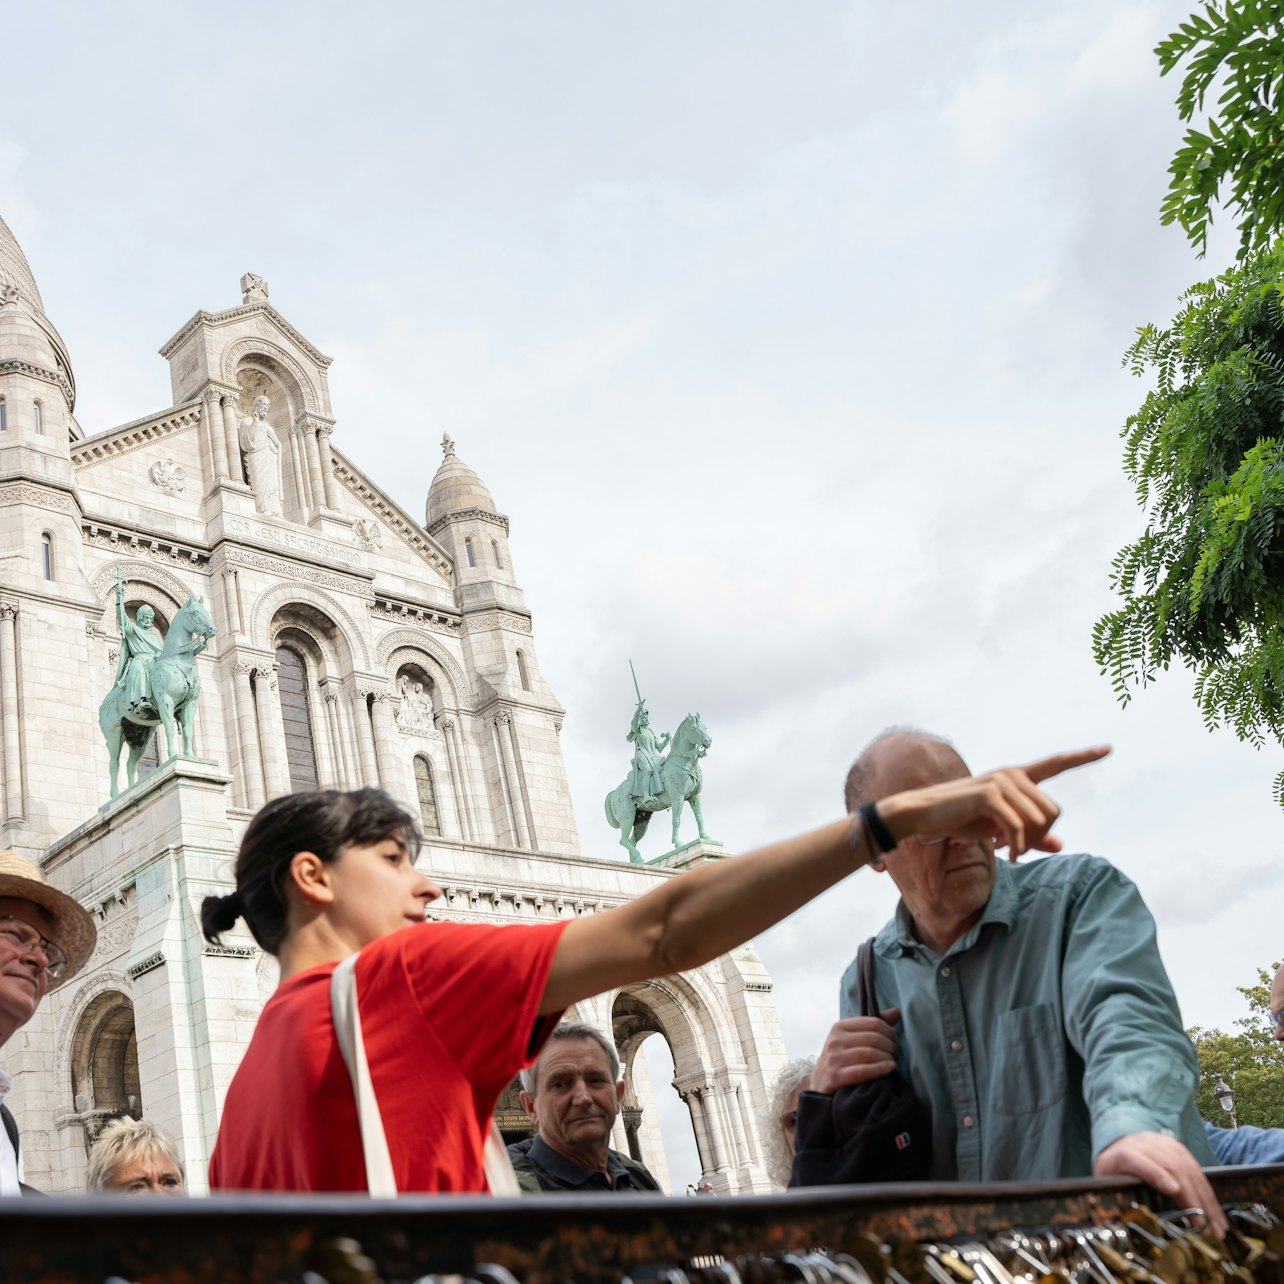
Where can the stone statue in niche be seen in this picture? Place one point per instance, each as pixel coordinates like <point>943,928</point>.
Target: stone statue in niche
<point>253,289</point>
<point>367,533</point>
<point>8,293</point>
<point>421,707</point>
<point>262,449</point>
<point>168,475</point>
<point>414,712</point>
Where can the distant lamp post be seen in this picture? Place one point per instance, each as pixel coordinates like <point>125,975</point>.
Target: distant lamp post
<point>1225,1098</point>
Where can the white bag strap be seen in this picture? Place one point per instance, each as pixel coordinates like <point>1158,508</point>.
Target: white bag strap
<point>380,1179</point>
<point>500,1176</point>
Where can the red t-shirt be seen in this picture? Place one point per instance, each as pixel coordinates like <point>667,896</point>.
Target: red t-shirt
<point>448,1016</point>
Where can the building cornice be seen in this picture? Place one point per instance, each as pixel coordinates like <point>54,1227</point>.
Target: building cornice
<point>391,607</point>
<point>226,317</point>
<point>469,515</point>
<point>132,436</point>
<point>489,618</point>
<point>43,492</point>
<point>338,579</point>
<point>15,365</point>
<point>138,543</point>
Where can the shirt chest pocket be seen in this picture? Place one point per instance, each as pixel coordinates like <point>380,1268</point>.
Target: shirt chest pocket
<point>1029,1070</point>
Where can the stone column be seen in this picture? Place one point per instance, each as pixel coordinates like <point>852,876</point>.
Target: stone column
<point>328,774</point>
<point>365,736</point>
<point>9,711</point>
<point>313,457</point>
<point>458,785</point>
<point>214,433</point>
<point>300,472</point>
<point>231,600</point>
<point>385,741</point>
<point>522,797</point>
<point>338,741</point>
<point>503,720</point>
<point>695,1108</point>
<point>327,466</point>
<point>733,1124</point>
<point>248,737</point>
<point>232,435</point>
<point>706,1094</point>
<point>271,731</point>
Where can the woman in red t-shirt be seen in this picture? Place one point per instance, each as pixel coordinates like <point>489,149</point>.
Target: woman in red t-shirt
<point>450,1012</point>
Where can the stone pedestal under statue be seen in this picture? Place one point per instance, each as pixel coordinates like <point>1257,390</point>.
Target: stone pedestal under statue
<point>698,852</point>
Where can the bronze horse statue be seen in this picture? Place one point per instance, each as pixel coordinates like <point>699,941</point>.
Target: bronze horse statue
<point>680,782</point>
<point>174,687</point>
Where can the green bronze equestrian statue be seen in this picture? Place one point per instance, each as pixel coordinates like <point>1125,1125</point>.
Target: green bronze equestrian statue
<point>658,782</point>
<point>156,682</point>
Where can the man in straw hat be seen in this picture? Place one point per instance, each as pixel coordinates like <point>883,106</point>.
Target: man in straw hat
<point>46,937</point>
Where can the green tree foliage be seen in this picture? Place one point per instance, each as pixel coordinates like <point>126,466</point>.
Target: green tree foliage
<point>1205,581</point>
<point>1234,49</point>
<point>1252,1063</point>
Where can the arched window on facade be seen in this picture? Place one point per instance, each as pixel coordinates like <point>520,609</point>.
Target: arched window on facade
<point>522,672</point>
<point>4,416</point>
<point>468,552</point>
<point>300,744</point>
<point>46,555</point>
<point>104,1064</point>
<point>499,561</point>
<point>38,416</point>
<point>428,817</point>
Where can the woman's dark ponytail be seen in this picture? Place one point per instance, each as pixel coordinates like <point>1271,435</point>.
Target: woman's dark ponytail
<point>219,914</point>
<point>322,823</point>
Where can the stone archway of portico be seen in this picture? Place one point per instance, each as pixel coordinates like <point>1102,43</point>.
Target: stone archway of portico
<point>90,993</point>
<point>257,351</point>
<point>406,646</point>
<point>271,602</point>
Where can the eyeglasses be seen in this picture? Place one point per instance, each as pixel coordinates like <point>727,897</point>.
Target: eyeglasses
<point>1277,1018</point>
<point>26,940</point>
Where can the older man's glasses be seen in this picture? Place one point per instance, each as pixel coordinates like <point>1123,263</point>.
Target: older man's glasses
<point>21,936</point>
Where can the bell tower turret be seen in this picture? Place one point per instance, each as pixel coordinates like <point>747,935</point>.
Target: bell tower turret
<point>461,515</point>
<point>38,502</point>
<point>520,715</point>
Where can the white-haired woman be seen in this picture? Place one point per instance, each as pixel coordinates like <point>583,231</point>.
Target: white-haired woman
<point>781,1118</point>
<point>134,1157</point>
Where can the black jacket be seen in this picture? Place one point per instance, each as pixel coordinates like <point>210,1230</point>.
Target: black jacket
<point>11,1127</point>
<point>539,1167</point>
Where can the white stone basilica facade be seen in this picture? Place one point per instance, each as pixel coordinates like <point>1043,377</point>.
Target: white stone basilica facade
<point>354,645</point>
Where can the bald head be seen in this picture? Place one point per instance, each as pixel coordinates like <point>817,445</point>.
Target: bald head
<point>900,758</point>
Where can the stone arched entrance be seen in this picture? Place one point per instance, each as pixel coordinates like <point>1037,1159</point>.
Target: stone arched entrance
<point>707,1076</point>
<point>104,1064</point>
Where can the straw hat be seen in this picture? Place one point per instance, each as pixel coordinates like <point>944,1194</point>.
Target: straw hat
<point>73,930</point>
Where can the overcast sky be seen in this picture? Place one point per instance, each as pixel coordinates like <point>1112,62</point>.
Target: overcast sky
<point>787,334</point>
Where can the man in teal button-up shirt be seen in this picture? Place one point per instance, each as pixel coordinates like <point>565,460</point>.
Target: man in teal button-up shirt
<point>1026,1004</point>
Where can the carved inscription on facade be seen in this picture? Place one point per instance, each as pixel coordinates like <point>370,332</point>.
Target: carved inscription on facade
<point>296,541</point>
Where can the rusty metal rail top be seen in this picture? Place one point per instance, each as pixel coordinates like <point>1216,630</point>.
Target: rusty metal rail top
<point>539,1238</point>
